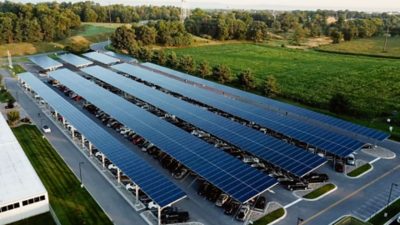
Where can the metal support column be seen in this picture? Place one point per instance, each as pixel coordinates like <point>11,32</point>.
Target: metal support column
<point>103,160</point>
<point>159,215</point>
<point>119,175</point>
<point>137,192</point>
<point>90,149</point>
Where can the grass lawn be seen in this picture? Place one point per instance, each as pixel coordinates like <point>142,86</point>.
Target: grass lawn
<point>371,46</point>
<point>349,220</point>
<point>71,203</point>
<point>392,210</point>
<point>360,170</point>
<point>41,219</point>
<point>271,217</point>
<point>319,191</point>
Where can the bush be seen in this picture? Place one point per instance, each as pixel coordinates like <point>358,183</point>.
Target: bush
<point>339,104</point>
<point>13,117</point>
<point>77,46</point>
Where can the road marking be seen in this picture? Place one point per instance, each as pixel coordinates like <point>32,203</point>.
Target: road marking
<point>350,195</point>
<point>271,191</point>
<point>293,203</point>
<point>375,160</point>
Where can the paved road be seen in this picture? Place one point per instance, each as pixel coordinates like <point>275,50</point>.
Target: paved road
<point>108,198</point>
<point>101,46</point>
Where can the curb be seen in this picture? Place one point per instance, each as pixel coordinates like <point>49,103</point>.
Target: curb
<point>362,174</point>
<point>321,196</point>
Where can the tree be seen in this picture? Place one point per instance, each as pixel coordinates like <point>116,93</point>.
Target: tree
<point>339,104</point>
<point>172,60</point>
<point>146,54</point>
<point>146,34</point>
<point>271,88</point>
<point>298,35</point>
<point>187,64</point>
<point>336,36</point>
<point>246,79</point>
<point>276,26</point>
<point>13,117</point>
<point>204,69</point>
<point>77,46</point>
<point>160,57</point>
<point>222,73</point>
<point>123,38</point>
<point>257,31</point>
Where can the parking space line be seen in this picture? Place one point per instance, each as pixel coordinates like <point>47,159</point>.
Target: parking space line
<point>293,203</point>
<point>374,160</point>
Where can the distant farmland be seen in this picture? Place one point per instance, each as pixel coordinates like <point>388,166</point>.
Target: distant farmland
<point>372,84</point>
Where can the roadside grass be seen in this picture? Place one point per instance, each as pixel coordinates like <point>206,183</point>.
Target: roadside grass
<point>391,210</point>
<point>360,170</point>
<point>4,95</point>
<point>370,46</point>
<point>349,220</point>
<point>311,78</point>
<point>42,219</point>
<point>71,203</point>
<point>319,191</point>
<point>271,217</point>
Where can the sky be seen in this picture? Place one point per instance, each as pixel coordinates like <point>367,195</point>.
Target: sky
<point>360,5</point>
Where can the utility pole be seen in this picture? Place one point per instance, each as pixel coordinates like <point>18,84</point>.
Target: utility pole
<point>9,59</point>
<point>387,35</point>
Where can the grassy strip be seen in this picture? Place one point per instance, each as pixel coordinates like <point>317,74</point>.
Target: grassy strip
<point>360,170</point>
<point>41,219</point>
<point>349,220</point>
<point>320,191</point>
<point>270,217</point>
<point>391,210</point>
<point>71,203</point>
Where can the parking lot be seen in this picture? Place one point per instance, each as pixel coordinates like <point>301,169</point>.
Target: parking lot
<point>205,203</point>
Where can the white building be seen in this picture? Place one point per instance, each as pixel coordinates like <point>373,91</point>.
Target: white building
<point>22,194</point>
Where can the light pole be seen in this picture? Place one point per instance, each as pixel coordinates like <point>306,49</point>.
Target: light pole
<point>80,172</point>
<point>390,193</point>
<point>299,220</point>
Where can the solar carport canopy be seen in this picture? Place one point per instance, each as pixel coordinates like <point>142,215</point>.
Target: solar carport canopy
<point>45,62</point>
<point>102,58</point>
<point>285,156</point>
<point>281,106</point>
<point>227,173</point>
<point>329,141</point>
<point>153,183</point>
<point>75,60</point>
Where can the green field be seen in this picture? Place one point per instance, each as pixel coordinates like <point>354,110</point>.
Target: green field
<point>371,46</point>
<point>319,191</point>
<point>350,221</point>
<point>71,203</point>
<point>311,78</point>
<point>360,170</point>
<point>270,217</point>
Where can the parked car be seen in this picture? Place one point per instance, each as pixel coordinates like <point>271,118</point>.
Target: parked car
<point>203,188</point>
<point>243,213</point>
<point>172,215</point>
<point>260,203</point>
<point>351,160</point>
<point>298,186</point>
<point>316,178</point>
<point>221,200</point>
<point>152,205</point>
<point>46,129</point>
<point>339,167</point>
<point>231,208</point>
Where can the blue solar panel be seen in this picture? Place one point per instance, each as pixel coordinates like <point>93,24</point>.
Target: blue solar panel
<point>222,170</point>
<point>277,105</point>
<point>288,157</point>
<point>102,58</point>
<point>75,60</point>
<point>326,140</point>
<point>153,183</point>
<point>45,62</point>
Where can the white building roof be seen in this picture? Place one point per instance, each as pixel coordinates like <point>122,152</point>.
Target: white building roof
<point>18,179</point>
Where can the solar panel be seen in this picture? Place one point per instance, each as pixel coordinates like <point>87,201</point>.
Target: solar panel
<point>102,58</point>
<point>227,173</point>
<point>287,157</point>
<point>122,57</point>
<point>282,107</point>
<point>45,62</point>
<point>75,60</point>
<point>154,184</point>
<point>326,140</point>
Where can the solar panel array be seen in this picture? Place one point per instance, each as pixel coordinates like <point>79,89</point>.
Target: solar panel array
<point>326,140</point>
<point>230,175</point>
<point>288,157</point>
<point>283,107</point>
<point>102,58</point>
<point>45,62</point>
<point>153,183</point>
<point>122,57</point>
<point>75,60</point>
